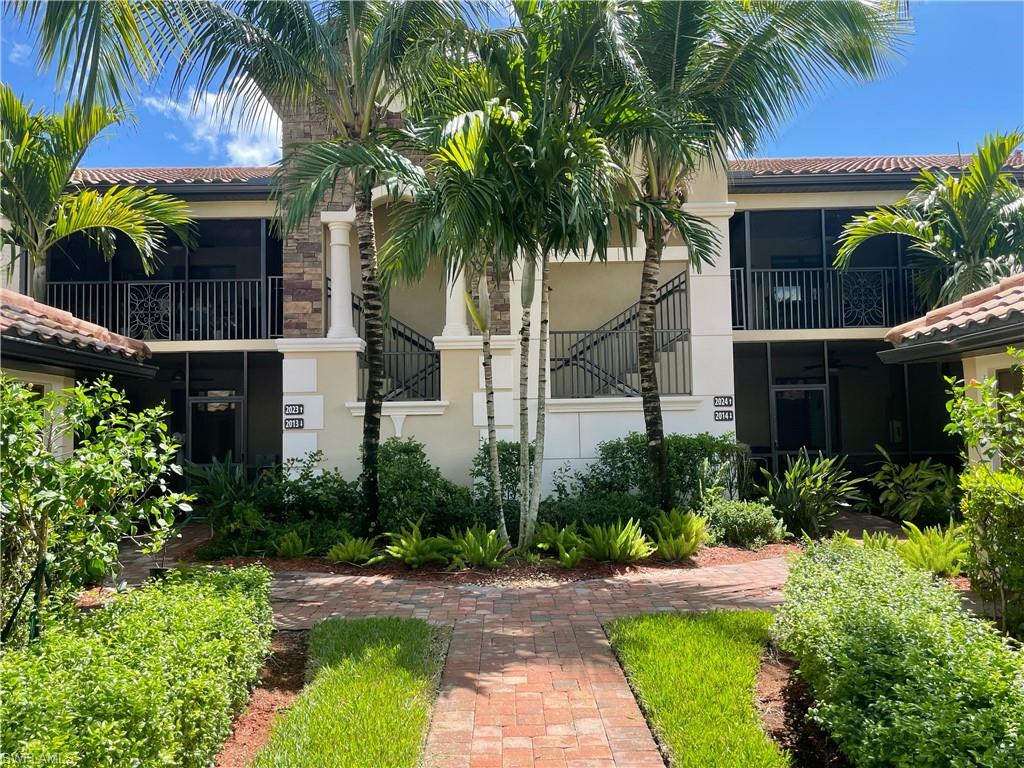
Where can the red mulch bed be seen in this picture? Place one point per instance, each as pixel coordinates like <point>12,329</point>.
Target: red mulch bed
<point>280,682</point>
<point>784,699</point>
<point>517,573</point>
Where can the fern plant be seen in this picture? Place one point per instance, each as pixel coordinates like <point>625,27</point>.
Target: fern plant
<point>878,540</point>
<point>353,550</point>
<point>679,534</point>
<point>548,538</point>
<point>570,558</point>
<point>617,542</point>
<point>415,550</point>
<point>292,544</point>
<point>477,547</point>
<point>941,551</point>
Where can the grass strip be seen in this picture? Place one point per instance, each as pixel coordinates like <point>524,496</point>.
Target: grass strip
<point>695,677</point>
<point>371,689</point>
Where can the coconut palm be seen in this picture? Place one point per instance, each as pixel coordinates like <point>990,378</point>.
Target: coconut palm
<point>726,74</point>
<point>966,231</point>
<point>41,206</point>
<point>339,63</point>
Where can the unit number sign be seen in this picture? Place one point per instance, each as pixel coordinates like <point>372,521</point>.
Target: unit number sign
<point>294,409</point>
<point>723,415</point>
<point>723,401</point>
<point>294,423</point>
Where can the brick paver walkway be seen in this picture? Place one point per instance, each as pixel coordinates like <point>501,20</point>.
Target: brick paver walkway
<point>530,678</point>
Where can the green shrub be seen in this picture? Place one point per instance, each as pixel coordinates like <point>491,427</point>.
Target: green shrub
<point>304,491</point>
<point>622,468</point>
<point>749,524</point>
<point>412,548</point>
<point>226,494</point>
<point>878,540</point>
<point>477,547</point>
<point>617,542</point>
<point>993,506</point>
<point>548,538</point>
<point>679,534</point>
<point>925,491</point>
<point>291,544</point>
<point>941,551</point>
<point>508,471</point>
<point>569,557</point>
<point>152,679</point>
<point>810,491</point>
<point>902,675</point>
<point>412,489</point>
<point>354,550</point>
<point>571,505</point>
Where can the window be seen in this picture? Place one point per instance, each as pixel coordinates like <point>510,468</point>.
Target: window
<point>881,251</point>
<point>785,239</point>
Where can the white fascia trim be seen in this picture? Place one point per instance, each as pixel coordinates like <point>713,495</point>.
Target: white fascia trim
<point>721,210</point>
<point>213,345</point>
<point>619,404</point>
<point>811,334</point>
<point>474,342</point>
<point>405,408</point>
<point>351,344</point>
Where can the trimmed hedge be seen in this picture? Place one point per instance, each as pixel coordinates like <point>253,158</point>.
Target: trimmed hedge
<point>749,524</point>
<point>153,679</point>
<point>902,675</point>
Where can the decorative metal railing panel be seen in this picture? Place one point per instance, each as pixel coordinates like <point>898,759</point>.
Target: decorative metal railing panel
<point>412,366</point>
<point>176,310</point>
<point>789,299</point>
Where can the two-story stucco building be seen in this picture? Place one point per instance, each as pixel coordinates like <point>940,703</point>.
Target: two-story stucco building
<point>257,341</point>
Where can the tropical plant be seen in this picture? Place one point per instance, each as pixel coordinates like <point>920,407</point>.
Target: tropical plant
<point>550,538</point>
<point>966,230</point>
<point>346,65</point>
<point>939,550</point>
<point>292,544</point>
<point>412,548</point>
<point>990,420</point>
<point>726,74</point>
<point>922,490</point>
<point>679,534</point>
<point>749,524</point>
<point>811,491</point>
<point>993,505</point>
<point>221,485</point>
<point>41,206</point>
<point>478,547</point>
<point>570,557</point>
<point>875,540</point>
<point>80,471</point>
<point>617,542</point>
<point>353,550</point>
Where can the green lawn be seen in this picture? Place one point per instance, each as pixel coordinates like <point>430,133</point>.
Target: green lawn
<point>368,702</point>
<point>695,677</point>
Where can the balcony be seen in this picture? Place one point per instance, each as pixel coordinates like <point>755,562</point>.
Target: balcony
<point>822,298</point>
<point>177,310</point>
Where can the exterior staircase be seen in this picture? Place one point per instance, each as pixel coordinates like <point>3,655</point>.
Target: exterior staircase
<point>412,367</point>
<point>605,362</point>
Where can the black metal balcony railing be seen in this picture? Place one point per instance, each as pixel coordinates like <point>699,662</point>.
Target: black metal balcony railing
<point>788,299</point>
<point>176,310</point>
<point>412,366</point>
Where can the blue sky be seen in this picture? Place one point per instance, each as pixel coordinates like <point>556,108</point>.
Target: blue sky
<point>961,76</point>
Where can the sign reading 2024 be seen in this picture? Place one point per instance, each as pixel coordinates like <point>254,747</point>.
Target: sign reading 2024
<point>726,403</point>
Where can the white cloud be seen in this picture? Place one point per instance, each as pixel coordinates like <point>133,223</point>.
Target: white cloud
<point>216,127</point>
<point>19,54</point>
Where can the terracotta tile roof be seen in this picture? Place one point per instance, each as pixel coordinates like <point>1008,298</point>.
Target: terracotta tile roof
<point>799,166</point>
<point>23,317</point>
<point>976,309</point>
<point>222,175</point>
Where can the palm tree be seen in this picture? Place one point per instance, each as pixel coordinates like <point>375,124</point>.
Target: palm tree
<point>38,157</point>
<point>340,62</point>
<point>726,74</point>
<point>966,231</point>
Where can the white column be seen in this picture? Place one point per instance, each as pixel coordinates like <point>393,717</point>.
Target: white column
<point>455,307</point>
<point>341,282</point>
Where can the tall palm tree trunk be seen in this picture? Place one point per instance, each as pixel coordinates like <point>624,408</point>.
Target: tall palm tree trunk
<point>542,385</point>
<point>374,338</point>
<point>494,473</point>
<point>657,455</point>
<point>524,418</point>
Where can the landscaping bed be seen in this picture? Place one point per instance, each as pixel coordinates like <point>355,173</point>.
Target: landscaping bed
<point>280,681</point>
<point>368,701</point>
<point>522,574</point>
